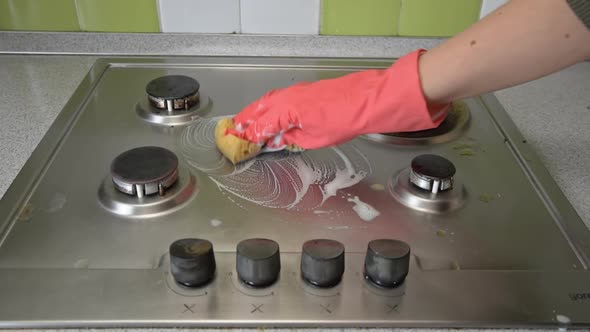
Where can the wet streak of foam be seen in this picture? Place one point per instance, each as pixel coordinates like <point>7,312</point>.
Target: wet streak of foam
<point>365,211</point>
<point>299,181</point>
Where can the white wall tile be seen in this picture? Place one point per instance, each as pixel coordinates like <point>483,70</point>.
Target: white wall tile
<point>280,16</point>
<point>489,6</point>
<point>205,16</point>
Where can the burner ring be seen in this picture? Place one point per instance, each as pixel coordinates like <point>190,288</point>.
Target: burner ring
<point>133,207</point>
<point>145,171</point>
<point>414,197</point>
<point>173,92</point>
<point>157,116</point>
<point>451,128</point>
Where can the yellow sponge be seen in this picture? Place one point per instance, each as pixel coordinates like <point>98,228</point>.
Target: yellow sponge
<point>233,148</point>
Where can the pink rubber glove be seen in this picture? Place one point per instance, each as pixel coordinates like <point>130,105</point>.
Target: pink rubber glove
<point>330,112</point>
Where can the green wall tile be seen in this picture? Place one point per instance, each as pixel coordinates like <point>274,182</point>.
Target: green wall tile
<point>436,17</point>
<point>360,18</point>
<point>38,15</point>
<point>118,15</point>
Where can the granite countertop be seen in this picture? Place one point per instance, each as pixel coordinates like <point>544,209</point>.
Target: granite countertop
<point>39,72</point>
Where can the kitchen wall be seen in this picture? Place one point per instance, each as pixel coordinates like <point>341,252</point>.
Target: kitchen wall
<point>308,17</point>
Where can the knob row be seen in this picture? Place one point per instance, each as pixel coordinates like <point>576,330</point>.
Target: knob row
<point>258,264</point>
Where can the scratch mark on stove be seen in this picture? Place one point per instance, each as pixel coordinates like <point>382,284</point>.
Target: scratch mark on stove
<point>189,308</point>
<point>392,308</point>
<point>326,308</point>
<point>81,264</point>
<point>56,203</point>
<point>257,308</point>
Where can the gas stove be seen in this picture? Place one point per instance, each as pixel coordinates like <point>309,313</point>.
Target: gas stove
<point>127,215</point>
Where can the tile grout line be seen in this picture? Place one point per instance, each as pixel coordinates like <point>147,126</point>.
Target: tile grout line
<point>320,16</point>
<point>78,15</point>
<point>480,16</point>
<point>159,11</point>
<point>239,17</point>
<point>399,17</point>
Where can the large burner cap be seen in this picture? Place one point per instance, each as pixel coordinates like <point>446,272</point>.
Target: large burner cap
<point>144,170</point>
<point>172,87</point>
<point>452,127</point>
<point>173,92</point>
<point>432,172</point>
<point>456,116</point>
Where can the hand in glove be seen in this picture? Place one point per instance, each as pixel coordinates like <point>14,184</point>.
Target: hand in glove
<point>333,111</point>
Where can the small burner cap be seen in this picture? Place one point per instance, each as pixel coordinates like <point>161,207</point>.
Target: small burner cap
<point>433,166</point>
<point>172,87</point>
<point>173,92</point>
<point>432,172</point>
<point>144,170</point>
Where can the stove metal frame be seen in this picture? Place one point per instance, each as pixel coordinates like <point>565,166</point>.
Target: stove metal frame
<point>117,298</point>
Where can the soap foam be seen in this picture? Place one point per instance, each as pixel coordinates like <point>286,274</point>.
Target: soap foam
<point>297,181</point>
<point>364,210</point>
<point>215,222</point>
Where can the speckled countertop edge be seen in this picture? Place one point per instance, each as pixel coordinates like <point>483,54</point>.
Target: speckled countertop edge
<point>177,44</point>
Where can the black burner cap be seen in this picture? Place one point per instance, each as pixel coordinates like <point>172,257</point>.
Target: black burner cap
<point>172,87</point>
<point>433,166</point>
<point>144,165</point>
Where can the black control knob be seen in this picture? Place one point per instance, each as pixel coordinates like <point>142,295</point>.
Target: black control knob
<point>258,262</point>
<point>192,262</point>
<point>387,262</point>
<point>322,262</point>
<point>433,173</point>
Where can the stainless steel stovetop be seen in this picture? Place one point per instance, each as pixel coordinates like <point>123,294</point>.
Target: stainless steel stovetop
<point>88,224</point>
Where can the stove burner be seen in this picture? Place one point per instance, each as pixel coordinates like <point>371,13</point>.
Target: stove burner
<point>429,185</point>
<point>145,171</point>
<point>173,92</point>
<point>433,173</point>
<point>451,128</point>
<point>173,100</point>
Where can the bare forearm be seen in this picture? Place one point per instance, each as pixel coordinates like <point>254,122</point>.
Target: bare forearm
<point>521,41</point>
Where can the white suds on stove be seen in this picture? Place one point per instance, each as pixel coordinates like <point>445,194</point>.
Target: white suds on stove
<point>364,210</point>
<point>215,222</point>
<point>299,181</point>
